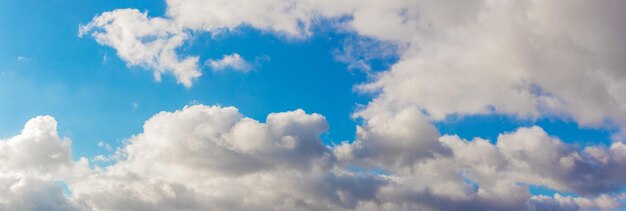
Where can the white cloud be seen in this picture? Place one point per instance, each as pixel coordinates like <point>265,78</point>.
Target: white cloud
<point>359,52</point>
<point>232,61</point>
<point>203,158</point>
<point>144,41</point>
<point>528,59</point>
<point>523,58</point>
<point>29,164</point>
<point>37,150</point>
<point>506,57</point>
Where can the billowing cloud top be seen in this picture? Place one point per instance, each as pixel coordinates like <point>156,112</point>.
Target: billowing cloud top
<point>213,158</point>
<point>528,59</point>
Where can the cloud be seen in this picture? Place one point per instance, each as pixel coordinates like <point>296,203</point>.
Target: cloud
<point>143,41</point>
<point>30,162</point>
<point>209,157</point>
<point>523,58</point>
<point>152,42</point>
<point>204,157</point>
<point>37,150</point>
<point>360,52</point>
<point>503,57</point>
<point>23,59</point>
<point>447,172</point>
<point>529,59</point>
<point>233,61</point>
<point>28,193</point>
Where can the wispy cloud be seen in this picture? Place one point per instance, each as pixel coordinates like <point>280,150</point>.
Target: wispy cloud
<point>230,62</point>
<point>23,59</point>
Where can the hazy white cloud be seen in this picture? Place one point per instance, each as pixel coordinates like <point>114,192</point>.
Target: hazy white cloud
<point>105,58</point>
<point>559,202</point>
<point>359,52</point>
<point>23,59</point>
<point>233,62</point>
<point>105,146</point>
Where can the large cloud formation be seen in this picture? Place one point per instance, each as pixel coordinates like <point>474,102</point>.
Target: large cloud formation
<point>525,58</point>
<point>213,158</point>
<point>528,59</point>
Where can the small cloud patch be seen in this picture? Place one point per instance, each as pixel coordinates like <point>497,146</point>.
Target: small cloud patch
<point>230,62</point>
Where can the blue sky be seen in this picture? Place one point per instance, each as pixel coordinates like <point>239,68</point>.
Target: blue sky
<point>544,89</point>
<point>46,69</point>
<point>67,77</point>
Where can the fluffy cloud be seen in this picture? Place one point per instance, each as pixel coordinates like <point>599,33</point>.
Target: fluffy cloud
<point>152,42</point>
<point>203,157</point>
<point>522,58</point>
<point>506,57</point>
<point>448,172</point>
<point>392,137</point>
<point>527,59</point>
<point>233,61</point>
<point>37,150</point>
<point>144,41</point>
<point>30,164</point>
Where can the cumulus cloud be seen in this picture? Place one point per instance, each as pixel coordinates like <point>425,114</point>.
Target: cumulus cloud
<point>521,58</point>
<point>480,175</point>
<point>209,157</point>
<point>204,157</point>
<point>504,57</point>
<point>233,61</point>
<point>37,150</point>
<point>30,164</point>
<point>528,59</point>
<point>152,42</point>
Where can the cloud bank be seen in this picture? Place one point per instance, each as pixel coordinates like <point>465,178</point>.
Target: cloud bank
<point>528,59</point>
<point>214,158</point>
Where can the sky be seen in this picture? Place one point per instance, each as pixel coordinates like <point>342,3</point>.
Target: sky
<point>352,105</point>
<point>69,77</point>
